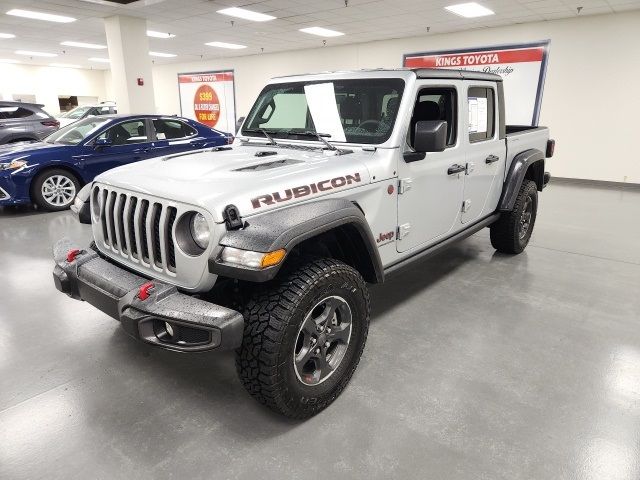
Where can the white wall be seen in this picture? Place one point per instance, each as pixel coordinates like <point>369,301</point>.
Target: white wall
<point>46,83</point>
<point>589,102</point>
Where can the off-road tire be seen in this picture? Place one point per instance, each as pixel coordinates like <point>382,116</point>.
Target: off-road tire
<point>36,189</point>
<point>506,234</point>
<point>273,319</point>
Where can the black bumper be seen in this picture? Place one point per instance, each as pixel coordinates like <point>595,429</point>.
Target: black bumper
<point>157,314</point>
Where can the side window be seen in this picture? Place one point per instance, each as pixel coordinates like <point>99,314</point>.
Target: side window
<point>127,133</point>
<point>102,111</point>
<point>481,114</point>
<point>13,112</point>
<point>436,104</point>
<point>171,129</point>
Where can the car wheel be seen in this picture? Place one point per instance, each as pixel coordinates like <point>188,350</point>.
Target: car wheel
<point>304,336</point>
<point>512,231</point>
<point>54,190</point>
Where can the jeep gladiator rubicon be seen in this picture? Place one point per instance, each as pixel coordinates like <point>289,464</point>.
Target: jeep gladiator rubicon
<point>334,181</point>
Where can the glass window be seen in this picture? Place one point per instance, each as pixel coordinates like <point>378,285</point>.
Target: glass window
<point>171,129</point>
<point>481,114</point>
<point>127,133</point>
<point>367,109</point>
<point>13,112</point>
<point>76,132</point>
<point>76,113</point>
<point>436,104</point>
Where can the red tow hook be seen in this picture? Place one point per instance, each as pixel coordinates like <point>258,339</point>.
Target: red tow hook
<point>143,292</point>
<point>72,254</point>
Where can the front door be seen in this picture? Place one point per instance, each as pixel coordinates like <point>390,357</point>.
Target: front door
<point>486,154</point>
<point>430,193</point>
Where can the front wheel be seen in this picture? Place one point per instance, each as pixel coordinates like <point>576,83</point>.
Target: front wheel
<point>54,190</point>
<point>512,231</point>
<point>303,337</point>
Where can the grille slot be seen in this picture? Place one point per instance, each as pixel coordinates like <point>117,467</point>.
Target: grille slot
<point>138,229</point>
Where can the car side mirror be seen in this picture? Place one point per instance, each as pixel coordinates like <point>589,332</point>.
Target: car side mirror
<point>430,136</point>
<point>103,142</point>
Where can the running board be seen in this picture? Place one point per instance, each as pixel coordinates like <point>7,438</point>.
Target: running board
<point>438,247</point>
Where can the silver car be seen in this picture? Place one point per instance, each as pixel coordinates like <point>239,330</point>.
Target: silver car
<point>20,122</point>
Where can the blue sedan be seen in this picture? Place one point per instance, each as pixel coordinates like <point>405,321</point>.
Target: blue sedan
<point>50,173</point>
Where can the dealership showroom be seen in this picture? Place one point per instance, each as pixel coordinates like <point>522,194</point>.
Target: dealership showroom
<point>320,239</point>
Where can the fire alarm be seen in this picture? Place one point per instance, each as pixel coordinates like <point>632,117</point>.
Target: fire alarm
<point>141,81</point>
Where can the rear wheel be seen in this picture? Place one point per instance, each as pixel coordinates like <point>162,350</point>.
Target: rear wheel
<point>303,337</point>
<point>54,190</point>
<point>512,231</point>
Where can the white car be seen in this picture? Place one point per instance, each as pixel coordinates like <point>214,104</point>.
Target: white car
<point>84,111</point>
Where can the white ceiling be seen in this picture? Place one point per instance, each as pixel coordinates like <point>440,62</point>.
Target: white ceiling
<point>195,22</point>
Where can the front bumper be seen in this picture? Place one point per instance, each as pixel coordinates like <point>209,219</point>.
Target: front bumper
<point>159,315</point>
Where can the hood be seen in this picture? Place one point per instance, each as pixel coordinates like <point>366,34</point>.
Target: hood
<point>24,150</point>
<point>253,178</point>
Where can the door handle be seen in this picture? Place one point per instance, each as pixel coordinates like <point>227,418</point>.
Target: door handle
<point>455,168</point>
<point>491,159</point>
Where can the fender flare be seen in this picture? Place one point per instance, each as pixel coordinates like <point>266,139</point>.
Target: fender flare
<point>288,227</point>
<point>519,166</point>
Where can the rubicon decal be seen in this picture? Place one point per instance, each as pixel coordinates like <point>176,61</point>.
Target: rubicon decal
<point>305,190</point>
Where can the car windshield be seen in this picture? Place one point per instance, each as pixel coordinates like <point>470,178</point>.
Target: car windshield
<point>351,111</point>
<point>76,132</point>
<point>76,113</point>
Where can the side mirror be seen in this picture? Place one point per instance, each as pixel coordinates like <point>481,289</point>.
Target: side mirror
<point>103,142</point>
<point>430,136</point>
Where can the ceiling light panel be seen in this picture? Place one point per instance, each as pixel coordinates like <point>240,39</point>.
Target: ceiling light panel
<point>48,17</point>
<point>99,60</point>
<point>30,53</point>
<point>93,46</point>
<point>7,35</point>
<point>64,65</point>
<point>161,54</point>
<point>246,14</point>
<point>231,46</point>
<point>469,10</point>
<point>154,34</point>
<point>321,32</point>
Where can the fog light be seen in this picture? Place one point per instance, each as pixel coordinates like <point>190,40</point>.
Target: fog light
<point>168,328</point>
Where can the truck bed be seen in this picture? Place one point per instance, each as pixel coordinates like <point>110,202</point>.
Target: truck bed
<point>520,138</point>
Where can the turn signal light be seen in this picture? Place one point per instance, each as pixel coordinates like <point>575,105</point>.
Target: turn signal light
<point>273,258</point>
<point>253,260</point>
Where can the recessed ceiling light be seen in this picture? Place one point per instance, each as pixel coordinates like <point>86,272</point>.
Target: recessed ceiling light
<point>160,54</point>
<point>94,46</point>
<point>8,60</point>
<point>49,17</point>
<point>100,60</point>
<point>321,32</point>
<point>35,54</point>
<point>232,46</point>
<point>7,35</point>
<point>246,14</point>
<point>469,10</point>
<point>64,65</point>
<point>154,34</point>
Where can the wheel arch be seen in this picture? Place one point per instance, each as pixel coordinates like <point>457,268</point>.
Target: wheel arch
<point>526,165</point>
<point>335,228</point>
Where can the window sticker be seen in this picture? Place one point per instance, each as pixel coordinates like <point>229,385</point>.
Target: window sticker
<point>478,115</point>
<point>161,136</point>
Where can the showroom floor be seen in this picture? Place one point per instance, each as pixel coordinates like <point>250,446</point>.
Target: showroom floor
<point>478,365</point>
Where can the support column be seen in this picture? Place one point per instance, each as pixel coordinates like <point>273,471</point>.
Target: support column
<point>129,55</point>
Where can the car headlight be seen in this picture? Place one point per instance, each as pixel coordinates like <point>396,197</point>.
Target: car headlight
<point>15,164</point>
<point>249,259</point>
<point>200,230</point>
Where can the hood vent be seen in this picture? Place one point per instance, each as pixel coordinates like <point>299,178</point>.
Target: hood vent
<point>269,165</point>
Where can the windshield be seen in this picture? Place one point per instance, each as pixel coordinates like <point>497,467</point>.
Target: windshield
<point>76,132</point>
<point>76,112</point>
<point>352,111</point>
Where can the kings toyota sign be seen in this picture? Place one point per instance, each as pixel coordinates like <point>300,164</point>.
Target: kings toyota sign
<point>522,68</point>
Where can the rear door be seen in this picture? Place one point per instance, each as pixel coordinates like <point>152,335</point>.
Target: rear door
<point>486,152</point>
<point>429,196</point>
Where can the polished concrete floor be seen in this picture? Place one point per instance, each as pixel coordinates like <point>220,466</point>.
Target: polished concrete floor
<point>478,366</point>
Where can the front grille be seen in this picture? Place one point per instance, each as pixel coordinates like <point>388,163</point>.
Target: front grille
<point>139,229</point>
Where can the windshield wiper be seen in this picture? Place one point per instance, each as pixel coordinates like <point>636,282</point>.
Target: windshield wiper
<point>266,133</point>
<point>310,133</point>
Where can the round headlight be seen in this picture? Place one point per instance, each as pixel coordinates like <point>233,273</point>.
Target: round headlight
<point>200,230</point>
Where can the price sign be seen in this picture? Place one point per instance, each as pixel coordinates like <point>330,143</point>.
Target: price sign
<point>209,98</point>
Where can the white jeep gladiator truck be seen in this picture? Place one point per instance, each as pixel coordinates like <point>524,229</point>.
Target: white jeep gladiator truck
<point>266,246</point>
